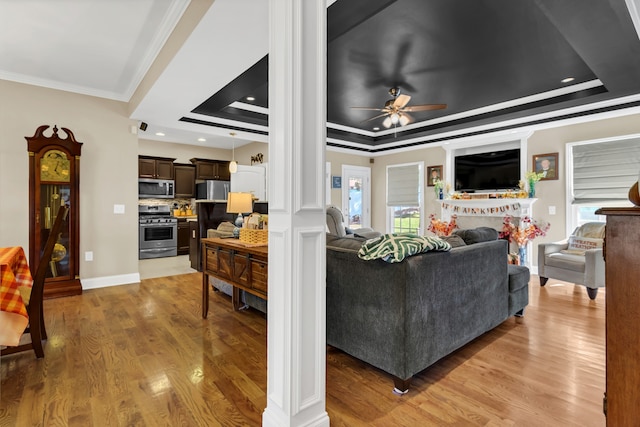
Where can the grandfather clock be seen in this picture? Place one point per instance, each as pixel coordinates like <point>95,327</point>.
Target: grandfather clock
<point>54,180</point>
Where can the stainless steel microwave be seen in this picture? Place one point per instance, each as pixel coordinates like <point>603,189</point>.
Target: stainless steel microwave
<point>149,188</point>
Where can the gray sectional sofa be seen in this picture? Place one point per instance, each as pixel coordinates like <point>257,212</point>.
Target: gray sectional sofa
<point>403,317</point>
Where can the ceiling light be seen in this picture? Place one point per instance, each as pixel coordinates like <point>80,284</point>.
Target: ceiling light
<point>201,140</point>
<point>568,79</point>
<point>376,128</point>
<point>404,120</point>
<point>395,118</point>
<point>159,134</point>
<point>250,98</point>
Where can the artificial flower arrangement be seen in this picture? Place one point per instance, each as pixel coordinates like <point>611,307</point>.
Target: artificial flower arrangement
<point>442,228</point>
<point>531,178</point>
<point>523,233</point>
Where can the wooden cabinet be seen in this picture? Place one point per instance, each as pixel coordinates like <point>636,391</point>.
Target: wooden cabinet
<point>54,180</point>
<point>155,167</point>
<point>622,261</point>
<point>212,169</point>
<point>185,177</point>
<point>183,236</point>
<point>243,266</point>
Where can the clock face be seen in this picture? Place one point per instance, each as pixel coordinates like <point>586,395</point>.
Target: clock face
<point>55,166</point>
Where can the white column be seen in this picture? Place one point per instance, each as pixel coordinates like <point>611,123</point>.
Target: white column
<point>296,341</point>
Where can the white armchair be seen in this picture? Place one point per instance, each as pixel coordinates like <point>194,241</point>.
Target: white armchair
<point>577,260</point>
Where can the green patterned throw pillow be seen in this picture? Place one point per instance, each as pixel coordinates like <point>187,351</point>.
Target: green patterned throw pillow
<point>395,247</point>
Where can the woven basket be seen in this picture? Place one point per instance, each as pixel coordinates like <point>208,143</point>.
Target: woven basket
<point>248,235</point>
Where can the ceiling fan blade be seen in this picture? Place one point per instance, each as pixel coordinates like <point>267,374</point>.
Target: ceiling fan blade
<point>375,117</point>
<point>425,107</point>
<point>401,101</point>
<point>368,108</point>
<point>387,122</point>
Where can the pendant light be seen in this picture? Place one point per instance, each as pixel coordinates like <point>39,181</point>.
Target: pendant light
<point>233,165</point>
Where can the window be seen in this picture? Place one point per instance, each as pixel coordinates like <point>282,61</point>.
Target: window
<point>600,175</point>
<point>404,198</point>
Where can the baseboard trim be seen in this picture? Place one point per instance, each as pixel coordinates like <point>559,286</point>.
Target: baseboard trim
<point>106,281</point>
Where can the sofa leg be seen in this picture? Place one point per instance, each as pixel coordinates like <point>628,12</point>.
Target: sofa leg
<point>592,292</point>
<point>519,313</point>
<point>543,280</point>
<point>401,386</point>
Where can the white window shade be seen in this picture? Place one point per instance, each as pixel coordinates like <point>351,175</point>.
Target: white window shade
<point>403,185</point>
<point>604,172</point>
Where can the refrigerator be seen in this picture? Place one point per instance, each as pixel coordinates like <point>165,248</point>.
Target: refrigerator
<point>212,190</point>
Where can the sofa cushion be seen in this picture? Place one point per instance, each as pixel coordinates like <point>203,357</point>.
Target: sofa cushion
<point>352,244</point>
<point>578,245</point>
<point>395,247</point>
<point>477,235</point>
<point>454,240</point>
<point>519,276</point>
<point>565,261</point>
<point>594,230</point>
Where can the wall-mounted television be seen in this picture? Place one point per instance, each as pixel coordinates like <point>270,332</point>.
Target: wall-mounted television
<point>494,170</point>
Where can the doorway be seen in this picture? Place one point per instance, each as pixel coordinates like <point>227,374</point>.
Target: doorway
<point>356,196</point>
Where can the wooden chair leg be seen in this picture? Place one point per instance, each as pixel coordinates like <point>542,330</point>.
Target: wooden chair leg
<point>43,329</point>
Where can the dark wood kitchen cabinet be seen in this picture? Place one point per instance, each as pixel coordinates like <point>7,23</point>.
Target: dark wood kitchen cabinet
<point>622,269</point>
<point>155,167</point>
<point>183,236</point>
<point>212,169</point>
<point>185,177</point>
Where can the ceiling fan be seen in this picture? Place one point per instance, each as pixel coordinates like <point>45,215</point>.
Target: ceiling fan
<point>396,109</point>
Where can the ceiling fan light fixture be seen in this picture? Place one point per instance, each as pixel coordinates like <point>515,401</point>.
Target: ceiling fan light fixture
<point>395,118</point>
<point>404,120</point>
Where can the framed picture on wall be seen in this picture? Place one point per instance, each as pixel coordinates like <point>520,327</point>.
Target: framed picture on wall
<point>434,173</point>
<point>547,164</point>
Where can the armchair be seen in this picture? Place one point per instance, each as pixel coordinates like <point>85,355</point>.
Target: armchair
<point>577,260</point>
<point>336,227</point>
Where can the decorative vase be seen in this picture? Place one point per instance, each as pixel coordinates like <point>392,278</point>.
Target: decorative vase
<point>532,189</point>
<point>522,252</point>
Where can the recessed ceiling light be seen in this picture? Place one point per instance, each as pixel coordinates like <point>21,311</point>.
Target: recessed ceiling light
<point>376,128</point>
<point>159,134</point>
<point>568,79</point>
<point>250,98</point>
<point>201,140</point>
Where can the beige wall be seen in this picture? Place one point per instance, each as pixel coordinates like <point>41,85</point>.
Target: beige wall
<point>108,172</point>
<point>109,169</point>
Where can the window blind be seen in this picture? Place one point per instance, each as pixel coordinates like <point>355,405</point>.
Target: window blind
<point>605,171</point>
<point>403,185</point>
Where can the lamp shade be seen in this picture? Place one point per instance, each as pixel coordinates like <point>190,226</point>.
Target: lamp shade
<point>239,203</point>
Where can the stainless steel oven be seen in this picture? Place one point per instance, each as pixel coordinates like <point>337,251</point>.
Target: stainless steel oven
<point>158,235</point>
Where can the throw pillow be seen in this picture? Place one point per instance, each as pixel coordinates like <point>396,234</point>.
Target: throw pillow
<point>578,245</point>
<point>396,247</point>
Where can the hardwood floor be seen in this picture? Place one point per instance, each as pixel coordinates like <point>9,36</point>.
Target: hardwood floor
<point>141,355</point>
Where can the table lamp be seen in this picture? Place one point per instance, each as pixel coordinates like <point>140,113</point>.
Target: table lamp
<point>239,203</point>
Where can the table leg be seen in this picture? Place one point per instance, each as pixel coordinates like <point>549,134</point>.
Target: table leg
<point>205,295</point>
<point>235,299</point>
